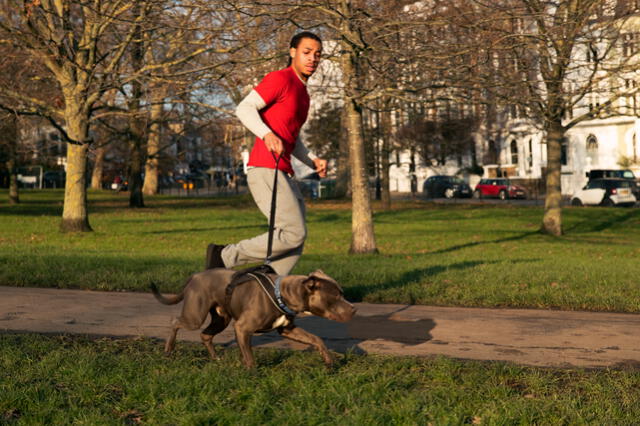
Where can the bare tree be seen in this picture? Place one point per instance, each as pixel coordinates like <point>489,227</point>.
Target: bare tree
<point>556,64</point>
<point>74,42</point>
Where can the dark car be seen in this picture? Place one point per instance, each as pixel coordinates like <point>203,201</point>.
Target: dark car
<point>617,174</point>
<point>498,188</point>
<point>605,192</point>
<point>53,179</point>
<point>445,186</point>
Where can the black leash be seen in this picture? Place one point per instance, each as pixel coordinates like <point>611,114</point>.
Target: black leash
<point>259,273</point>
<point>272,214</point>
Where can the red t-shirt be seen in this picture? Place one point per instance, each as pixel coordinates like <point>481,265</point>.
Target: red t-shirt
<point>286,111</point>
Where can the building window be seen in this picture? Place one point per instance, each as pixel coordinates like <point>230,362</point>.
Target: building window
<point>530,157</point>
<point>632,96</point>
<point>514,152</point>
<point>634,145</point>
<point>592,148</point>
<point>493,153</point>
<point>564,157</point>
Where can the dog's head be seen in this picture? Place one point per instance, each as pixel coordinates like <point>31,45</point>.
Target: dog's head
<point>325,298</point>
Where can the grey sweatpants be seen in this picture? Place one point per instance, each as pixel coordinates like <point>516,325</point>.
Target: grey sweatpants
<point>290,229</point>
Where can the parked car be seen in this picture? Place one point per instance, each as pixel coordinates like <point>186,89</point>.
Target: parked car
<point>445,186</point>
<point>499,187</point>
<point>610,173</point>
<point>620,174</point>
<point>605,192</point>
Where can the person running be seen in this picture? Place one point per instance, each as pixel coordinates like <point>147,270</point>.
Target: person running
<point>274,111</point>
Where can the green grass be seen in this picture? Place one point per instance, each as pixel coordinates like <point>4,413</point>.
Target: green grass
<point>62,379</point>
<point>460,255</point>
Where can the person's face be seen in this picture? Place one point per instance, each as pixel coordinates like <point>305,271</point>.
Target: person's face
<point>306,57</point>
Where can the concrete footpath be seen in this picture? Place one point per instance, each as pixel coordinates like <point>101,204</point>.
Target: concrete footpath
<point>529,337</point>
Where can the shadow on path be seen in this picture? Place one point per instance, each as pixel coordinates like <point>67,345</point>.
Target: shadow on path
<point>343,337</point>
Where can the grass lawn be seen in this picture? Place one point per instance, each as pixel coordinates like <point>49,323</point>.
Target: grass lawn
<point>462,255</point>
<point>62,380</point>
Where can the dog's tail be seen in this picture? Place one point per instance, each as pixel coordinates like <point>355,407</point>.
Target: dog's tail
<point>166,300</point>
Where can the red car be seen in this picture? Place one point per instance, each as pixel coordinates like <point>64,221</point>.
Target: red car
<point>498,188</point>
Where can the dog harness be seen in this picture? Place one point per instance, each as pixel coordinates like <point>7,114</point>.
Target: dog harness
<point>260,274</point>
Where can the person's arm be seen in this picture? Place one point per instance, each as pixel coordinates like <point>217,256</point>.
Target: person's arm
<point>247,112</point>
<point>302,153</point>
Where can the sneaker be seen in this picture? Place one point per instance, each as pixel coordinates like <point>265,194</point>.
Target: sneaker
<point>214,257</point>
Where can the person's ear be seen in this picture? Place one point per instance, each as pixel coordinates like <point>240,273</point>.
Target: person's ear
<point>292,52</point>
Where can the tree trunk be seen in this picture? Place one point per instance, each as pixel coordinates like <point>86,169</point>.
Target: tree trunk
<point>14,194</point>
<point>552,219</point>
<point>136,199</point>
<point>136,124</point>
<point>98,169</point>
<point>11,139</point>
<point>342,164</point>
<point>384,158</point>
<point>75,217</point>
<point>362,238</point>
<point>150,186</point>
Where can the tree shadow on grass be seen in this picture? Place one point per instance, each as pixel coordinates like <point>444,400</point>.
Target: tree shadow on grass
<point>602,223</point>
<point>478,243</point>
<point>52,204</point>
<point>99,270</point>
<point>211,228</point>
<point>357,293</point>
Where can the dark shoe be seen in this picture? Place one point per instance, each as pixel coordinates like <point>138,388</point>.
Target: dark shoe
<point>214,257</point>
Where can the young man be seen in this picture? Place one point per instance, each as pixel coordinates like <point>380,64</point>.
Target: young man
<point>275,111</point>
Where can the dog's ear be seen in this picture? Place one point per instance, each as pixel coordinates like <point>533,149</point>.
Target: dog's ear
<point>318,274</point>
<point>310,283</point>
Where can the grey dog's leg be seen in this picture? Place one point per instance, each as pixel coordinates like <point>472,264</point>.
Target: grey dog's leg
<point>299,335</point>
<point>176,324</point>
<point>217,324</point>
<point>243,337</point>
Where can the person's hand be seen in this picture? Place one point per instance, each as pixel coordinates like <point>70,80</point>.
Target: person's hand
<point>321,167</point>
<point>273,143</point>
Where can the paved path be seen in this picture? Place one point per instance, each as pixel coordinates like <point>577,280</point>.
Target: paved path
<point>530,337</point>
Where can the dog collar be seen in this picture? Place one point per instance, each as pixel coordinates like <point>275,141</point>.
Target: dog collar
<point>279,299</point>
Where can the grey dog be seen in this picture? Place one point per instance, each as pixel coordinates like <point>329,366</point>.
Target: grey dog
<point>253,310</point>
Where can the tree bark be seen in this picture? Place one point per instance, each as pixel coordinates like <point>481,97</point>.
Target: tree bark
<point>75,216</point>
<point>10,131</point>
<point>362,234</point>
<point>136,126</point>
<point>342,165</point>
<point>150,186</point>
<point>98,169</point>
<point>552,219</point>
<point>14,194</point>
<point>384,158</point>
